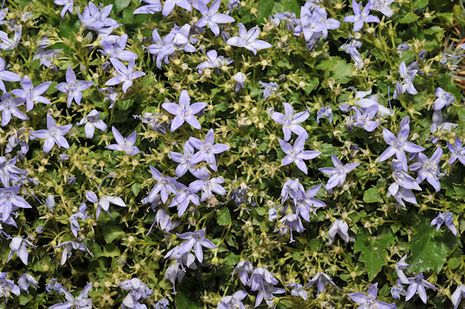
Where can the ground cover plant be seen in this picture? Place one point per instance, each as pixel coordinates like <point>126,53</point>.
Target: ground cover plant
<point>232,154</point>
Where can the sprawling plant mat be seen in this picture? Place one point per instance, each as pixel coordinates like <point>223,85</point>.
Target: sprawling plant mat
<point>232,154</point>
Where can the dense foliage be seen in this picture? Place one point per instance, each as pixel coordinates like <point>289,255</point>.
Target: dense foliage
<point>197,153</point>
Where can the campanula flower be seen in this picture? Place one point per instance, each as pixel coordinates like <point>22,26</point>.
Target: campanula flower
<point>6,76</point>
<point>91,122</point>
<point>103,203</point>
<point>418,285</point>
<point>383,6</point>
<point>207,149</point>
<point>53,135</point>
<point>263,282</point>
<point>428,168</point>
<point>233,301</point>
<point>293,189</point>
<point>369,300</point>
<point>321,280</point>
<point>114,46</point>
<point>445,218</point>
<point>364,118</point>
<point>19,245</point>
<point>240,81</point>
<point>80,215</point>
<point>165,185</point>
<point>82,301</point>
<point>125,144</point>
<point>93,18</point>
<point>124,75</point>
<point>10,44</point>
<point>457,151</point>
<point>213,61</point>
<point>10,201</point>
<point>360,16</point>
<point>248,39</point>
<point>457,296</point>
<point>351,48</point>
<point>298,291</point>
<point>150,7</point>
<point>338,173</point>
<point>268,88</point>
<point>290,121</point>
<point>138,291</point>
<point>208,186</point>
<point>340,228</point>
<point>324,113</point>
<point>184,111</point>
<point>170,4</point>
<point>406,84</point>
<point>210,16</point>
<point>185,164</point>
<point>25,281</point>
<point>195,241</point>
<point>291,222</point>
<point>7,287</point>
<point>443,99</point>
<point>67,6</point>
<point>296,153</point>
<point>73,87</point>
<point>9,107</point>
<point>398,145</point>
<point>309,204</point>
<point>9,171</point>
<point>32,94</point>
<point>401,188</point>
<point>243,269</point>
<point>68,247</point>
<point>366,100</point>
<point>183,198</point>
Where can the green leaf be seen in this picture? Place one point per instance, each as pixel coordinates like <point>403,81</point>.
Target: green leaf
<point>112,232</point>
<point>183,301</point>
<point>408,18</point>
<point>420,4</point>
<point>265,7</point>
<point>135,188</point>
<point>121,4</point>
<point>429,248</point>
<point>372,196</point>
<point>373,251</point>
<point>224,217</point>
<point>110,250</point>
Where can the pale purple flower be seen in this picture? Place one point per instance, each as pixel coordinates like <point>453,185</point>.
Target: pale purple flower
<point>314,23</point>
<point>207,149</point>
<point>10,201</point>
<point>208,187</point>
<point>338,173</point>
<point>32,94</point>
<point>73,87</point>
<point>125,144</point>
<point>165,185</point>
<point>170,4</point>
<point>68,247</point>
<point>291,222</point>
<point>457,151</point>
<point>210,16</point>
<point>428,168</point>
<point>290,121</point>
<point>7,76</point>
<point>67,6</point>
<point>7,287</point>
<point>195,241</point>
<point>26,280</point>
<point>150,7</point>
<point>137,292</point>
<point>340,228</point>
<point>124,75</point>
<point>184,197</point>
<point>162,304</point>
<point>10,44</point>
<point>19,245</point>
<point>446,219</point>
<point>46,57</point>
<point>80,215</point>
<point>82,301</point>
<point>296,153</point>
<point>418,285</point>
<point>364,118</point>
<point>321,280</point>
<point>114,46</point>
<point>264,282</point>
<point>213,61</point>
<point>184,161</point>
<point>401,188</point>
<point>365,301</point>
<point>268,88</point>
<point>366,100</point>
<point>53,135</point>
<point>443,99</point>
<point>406,84</point>
<point>164,221</point>
<point>399,145</point>
<point>400,266</point>
<point>309,203</point>
<point>248,39</point>
<point>351,48</point>
<point>457,296</point>
<point>184,111</point>
<point>91,122</point>
<point>240,81</point>
<point>298,291</point>
<point>103,203</point>
<point>175,272</point>
<point>324,113</point>
<point>233,301</point>
<point>9,107</point>
<point>293,189</point>
<point>9,171</point>
<point>360,16</point>
<point>382,6</point>
<point>93,18</point>
<point>397,290</point>
<point>243,269</point>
